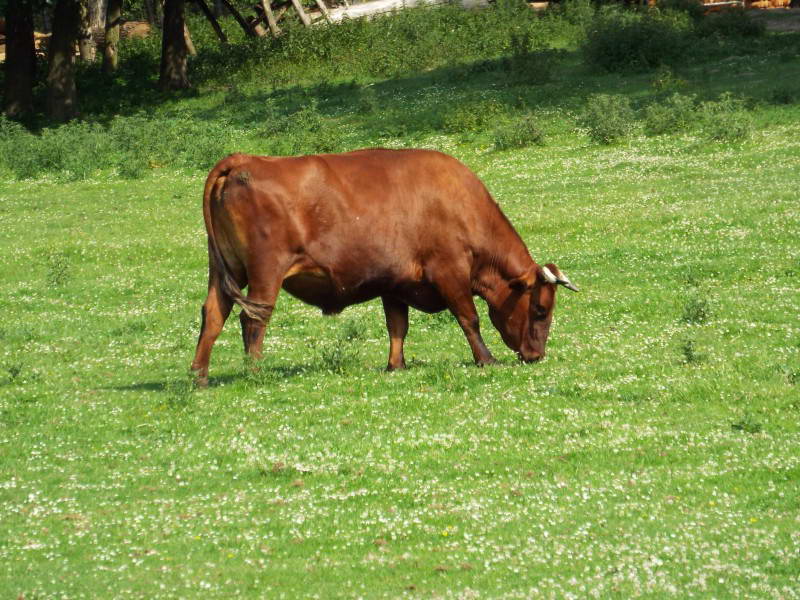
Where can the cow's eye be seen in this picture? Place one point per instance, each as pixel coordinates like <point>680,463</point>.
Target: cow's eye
<point>538,312</point>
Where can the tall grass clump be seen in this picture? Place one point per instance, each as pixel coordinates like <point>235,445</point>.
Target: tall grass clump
<point>675,113</point>
<point>473,116</point>
<point>608,118</point>
<point>519,133</point>
<point>626,40</point>
<point>726,119</point>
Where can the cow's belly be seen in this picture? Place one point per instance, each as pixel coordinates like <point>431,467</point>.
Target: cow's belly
<point>318,289</point>
<point>314,288</point>
<point>420,295</point>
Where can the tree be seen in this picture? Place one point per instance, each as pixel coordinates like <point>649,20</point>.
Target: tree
<point>110,51</point>
<point>62,95</point>
<point>85,41</point>
<point>20,58</point>
<point>173,73</point>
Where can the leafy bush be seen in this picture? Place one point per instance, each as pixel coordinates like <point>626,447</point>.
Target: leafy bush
<point>518,134</point>
<point>731,23</point>
<point>474,116</point>
<point>578,12</point>
<point>637,40</point>
<point>726,120</point>
<point>675,113</point>
<point>608,118</point>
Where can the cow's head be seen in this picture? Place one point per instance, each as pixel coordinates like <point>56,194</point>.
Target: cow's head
<point>523,310</point>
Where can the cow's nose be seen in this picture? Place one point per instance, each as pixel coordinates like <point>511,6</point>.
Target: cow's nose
<point>532,356</point>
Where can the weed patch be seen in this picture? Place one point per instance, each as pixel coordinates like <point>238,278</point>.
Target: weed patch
<point>670,115</point>
<point>608,118</point>
<point>726,120</point>
<point>519,133</point>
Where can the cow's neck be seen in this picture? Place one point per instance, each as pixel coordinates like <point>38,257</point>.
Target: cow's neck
<point>493,272</point>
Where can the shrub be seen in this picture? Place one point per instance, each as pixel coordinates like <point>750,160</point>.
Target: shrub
<point>608,118</point>
<point>578,12</point>
<point>731,23</point>
<point>726,119</point>
<point>637,40</point>
<point>473,116</point>
<point>675,113</point>
<point>784,95</point>
<point>666,80</point>
<point>519,133</point>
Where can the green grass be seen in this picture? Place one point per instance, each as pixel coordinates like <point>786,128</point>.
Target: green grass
<point>655,451</point>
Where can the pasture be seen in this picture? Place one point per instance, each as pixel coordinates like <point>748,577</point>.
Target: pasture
<point>655,452</point>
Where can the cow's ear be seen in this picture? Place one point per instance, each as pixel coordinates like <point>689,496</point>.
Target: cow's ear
<point>525,281</point>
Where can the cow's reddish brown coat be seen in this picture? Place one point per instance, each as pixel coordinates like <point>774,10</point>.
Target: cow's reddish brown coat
<point>413,227</point>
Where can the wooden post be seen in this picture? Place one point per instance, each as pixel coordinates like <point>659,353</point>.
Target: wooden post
<point>236,15</point>
<point>213,20</point>
<point>303,16</point>
<point>271,21</point>
<point>324,10</point>
<point>188,39</point>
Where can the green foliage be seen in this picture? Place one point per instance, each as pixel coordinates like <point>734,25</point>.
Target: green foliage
<point>784,94</point>
<point>620,40</point>
<point>747,424</point>
<point>696,311</point>
<point>519,133</point>
<point>689,352</point>
<point>732,23</point>
<point>726,119</point>
<point>474,116</point>
<point>670,115</point>
<point>608,118</point>
<point>578,12</point>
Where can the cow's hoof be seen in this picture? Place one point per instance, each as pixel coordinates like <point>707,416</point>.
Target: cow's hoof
<point>486,362</point>
<point>200,381</point>
<point>390,367</point>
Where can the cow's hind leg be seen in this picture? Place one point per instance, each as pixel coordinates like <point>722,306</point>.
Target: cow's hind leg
<point>454,286</point>
<point>215,311</point>
<point>397,325</point>
<point>265,284</point>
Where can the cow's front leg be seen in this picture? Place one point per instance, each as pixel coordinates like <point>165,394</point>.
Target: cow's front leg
<point>397,325</point>
<point>456,291</point>
<point>467,317</point>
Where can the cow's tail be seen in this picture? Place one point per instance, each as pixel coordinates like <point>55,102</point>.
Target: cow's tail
<point>255,310</point>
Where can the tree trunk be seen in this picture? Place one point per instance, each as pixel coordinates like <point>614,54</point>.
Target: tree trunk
<point>20,59</point>
<point>97,14</point>
<point>62,96</point>
<point>213,20</point>
<point>173,48</point>
<point>85,41</point>
<point>110,52</point>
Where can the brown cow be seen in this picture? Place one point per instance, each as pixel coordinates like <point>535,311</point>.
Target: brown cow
<point>415,227</point>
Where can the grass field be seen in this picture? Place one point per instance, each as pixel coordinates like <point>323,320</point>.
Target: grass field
<point>654,453</point>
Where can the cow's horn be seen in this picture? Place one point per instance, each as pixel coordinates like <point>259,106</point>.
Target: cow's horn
<point>548,275</point>
<point>564,280</point>
<point>559,278</point>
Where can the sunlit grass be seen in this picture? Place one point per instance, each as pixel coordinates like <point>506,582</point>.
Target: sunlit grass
<point>655,452</point>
